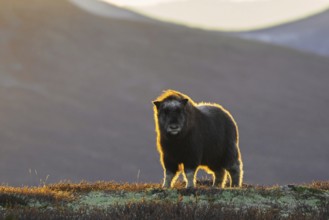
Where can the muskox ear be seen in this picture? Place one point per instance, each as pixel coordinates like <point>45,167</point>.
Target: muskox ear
<point>184,101</point>
<point>157,104</point>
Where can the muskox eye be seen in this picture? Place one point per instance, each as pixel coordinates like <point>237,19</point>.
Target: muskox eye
<point>165,111</point>
<point>179,111</point>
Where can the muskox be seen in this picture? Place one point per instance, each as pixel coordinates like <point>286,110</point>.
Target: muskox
<point>192,136</point>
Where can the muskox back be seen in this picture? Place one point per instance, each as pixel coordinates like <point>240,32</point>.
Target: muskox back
<point>196,135</point>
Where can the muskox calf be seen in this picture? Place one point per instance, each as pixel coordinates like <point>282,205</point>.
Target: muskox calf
<point>192,136</point>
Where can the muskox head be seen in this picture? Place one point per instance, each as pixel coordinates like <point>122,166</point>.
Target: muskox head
<point>171,115</point>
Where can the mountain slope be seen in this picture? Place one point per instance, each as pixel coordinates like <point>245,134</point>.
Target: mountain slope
<point>104,9</point>
<point>309,34</point>
<point>76,93</point>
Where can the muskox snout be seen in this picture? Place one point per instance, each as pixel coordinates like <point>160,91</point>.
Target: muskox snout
<point>173,129</point>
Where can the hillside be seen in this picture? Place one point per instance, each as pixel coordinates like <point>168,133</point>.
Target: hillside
<point>309,34</point>
<point>102,8</point>
<point>76,92</point>
<point>104,200</point>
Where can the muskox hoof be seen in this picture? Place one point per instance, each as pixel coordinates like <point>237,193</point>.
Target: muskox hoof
<point>216,187</point>
<point>165,186</point>
<point>190,186</point>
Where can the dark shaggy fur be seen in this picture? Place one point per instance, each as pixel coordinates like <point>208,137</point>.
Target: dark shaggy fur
<point>192,136</point>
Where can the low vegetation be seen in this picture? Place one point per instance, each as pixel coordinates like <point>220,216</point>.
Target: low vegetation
<point>111,200</point>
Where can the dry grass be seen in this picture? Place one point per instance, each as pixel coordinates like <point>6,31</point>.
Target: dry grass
<point>322,185</point>
<point>204,184</point>
<point>101,185</point>
<point>18,196</point>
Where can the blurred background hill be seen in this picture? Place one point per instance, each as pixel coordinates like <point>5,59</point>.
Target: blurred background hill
<point>76,92</point>
<point>308,35</point>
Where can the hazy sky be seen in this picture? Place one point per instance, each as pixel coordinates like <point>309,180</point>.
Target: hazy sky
<point>140,2</point>
<point>226,14</point>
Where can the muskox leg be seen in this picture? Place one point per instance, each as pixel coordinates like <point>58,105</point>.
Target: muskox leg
<point>236,174</point>
<point>168,177</point>
<point>220,178</point>
<point>190,177</point>
<point>170,171</point>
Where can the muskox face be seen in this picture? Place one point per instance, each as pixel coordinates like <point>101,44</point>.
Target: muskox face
<point>171,116</point>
